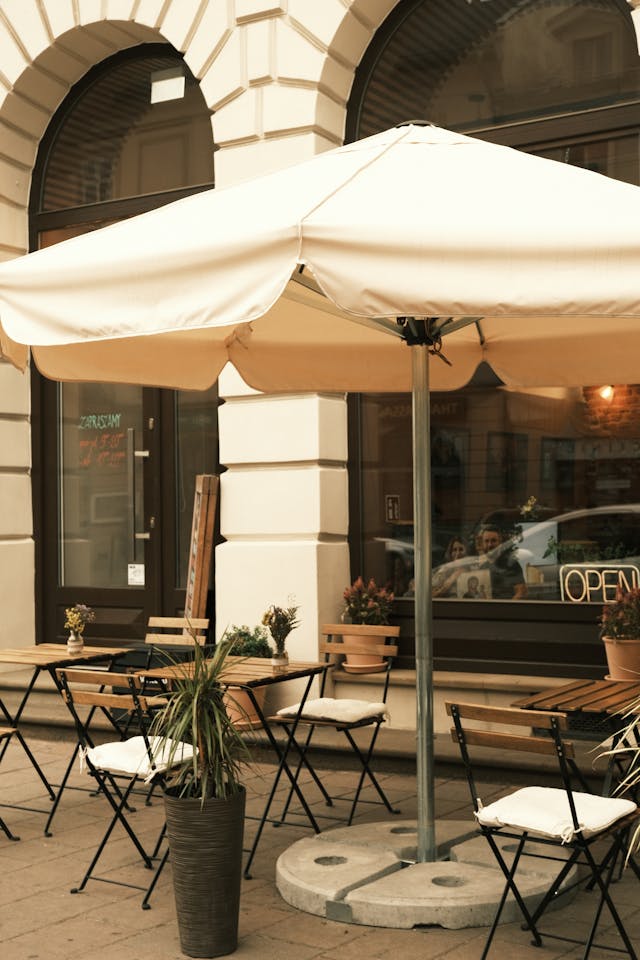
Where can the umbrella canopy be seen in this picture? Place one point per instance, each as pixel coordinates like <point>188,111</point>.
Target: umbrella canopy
<point>416,221</point>
<point>526,263</point>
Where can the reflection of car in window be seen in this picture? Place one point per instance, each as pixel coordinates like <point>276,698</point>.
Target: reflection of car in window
<point>600,537</point>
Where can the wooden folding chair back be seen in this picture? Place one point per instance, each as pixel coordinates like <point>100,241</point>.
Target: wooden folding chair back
<point>177,634</point>
<point>562,818</point>
<point>100,688</point>
<point>341,640</point>
<point>165,632</point>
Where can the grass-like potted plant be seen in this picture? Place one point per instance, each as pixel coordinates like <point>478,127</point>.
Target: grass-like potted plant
<point>246,642</point>
<point>620,633</point>
<point>204,806</point>
<point>624,753</point>
<point>366,605</point>
<point>280,621</point>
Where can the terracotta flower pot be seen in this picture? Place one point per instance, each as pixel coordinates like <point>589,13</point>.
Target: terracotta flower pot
<point>363,637</point>
<point>240,707</point>
<point>623,658</point>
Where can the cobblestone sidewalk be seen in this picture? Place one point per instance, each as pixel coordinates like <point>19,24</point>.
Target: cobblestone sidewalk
<point>41,920</point>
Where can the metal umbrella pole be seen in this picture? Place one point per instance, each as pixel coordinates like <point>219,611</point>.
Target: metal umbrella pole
<point>421,417</point>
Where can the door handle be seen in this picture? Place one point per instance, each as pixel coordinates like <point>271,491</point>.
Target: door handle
<point>146,535</point>
<point>132,454</point>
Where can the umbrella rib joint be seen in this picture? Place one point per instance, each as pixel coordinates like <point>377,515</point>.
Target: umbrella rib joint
<point>423,331</point>
<point>429,331</point>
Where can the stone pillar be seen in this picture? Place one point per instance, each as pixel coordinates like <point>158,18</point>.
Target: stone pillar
<point>284,508</point>
<point>16,523</point>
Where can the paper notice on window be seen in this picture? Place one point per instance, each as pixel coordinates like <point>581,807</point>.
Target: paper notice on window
<point>135,574</point>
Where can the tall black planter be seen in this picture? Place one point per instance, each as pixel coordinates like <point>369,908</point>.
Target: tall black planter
<point>205,844</point>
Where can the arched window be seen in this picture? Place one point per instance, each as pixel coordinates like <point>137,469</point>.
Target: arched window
<point>476,64</point>
<point>136,127</point>
<point>116,463</point>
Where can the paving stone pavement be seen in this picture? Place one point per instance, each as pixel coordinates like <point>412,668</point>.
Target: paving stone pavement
<point>41,920</point>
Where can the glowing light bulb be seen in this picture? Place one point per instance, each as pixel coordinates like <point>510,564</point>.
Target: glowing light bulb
<point>606,392</point>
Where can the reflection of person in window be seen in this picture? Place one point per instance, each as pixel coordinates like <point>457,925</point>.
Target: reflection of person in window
<point>507,581</point>
<point>444,581</point>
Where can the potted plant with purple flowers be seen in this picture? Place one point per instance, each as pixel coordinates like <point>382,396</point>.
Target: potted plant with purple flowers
<point>620,633</point>
<point>366,605</point>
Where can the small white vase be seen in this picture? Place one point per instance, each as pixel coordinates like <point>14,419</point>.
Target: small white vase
<point>75,643</point>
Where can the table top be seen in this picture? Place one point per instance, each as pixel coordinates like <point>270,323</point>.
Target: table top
<point>242,671</point>
<point>593,697</point>
<point>55,654</point>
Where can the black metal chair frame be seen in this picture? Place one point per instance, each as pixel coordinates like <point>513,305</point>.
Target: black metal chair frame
<point>134,702</point>
<point>12,731</point>
<point>281,752</point>
<point>333,651</point>
<point>601,872</point>
<point>6,733</point>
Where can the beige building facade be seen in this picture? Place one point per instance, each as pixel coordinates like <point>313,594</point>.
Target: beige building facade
<point>276,76</point>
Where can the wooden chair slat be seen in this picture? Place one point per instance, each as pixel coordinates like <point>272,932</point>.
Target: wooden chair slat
<point>511,715</point>
<point>340,629</point>
<point>93,698</point>
<point>173,640</point>
<point>509,741</point>
<point>98,677</point>
<point>176,623</point>
<point>379,649</point>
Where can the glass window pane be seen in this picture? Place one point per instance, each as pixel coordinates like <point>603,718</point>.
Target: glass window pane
<point>100,496</point>
<point>617,157</point>
<point>115,142</point>
<point>536,493</point>
<point>466,64</point>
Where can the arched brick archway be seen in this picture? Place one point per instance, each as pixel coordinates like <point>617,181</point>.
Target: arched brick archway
<point>269,72</point>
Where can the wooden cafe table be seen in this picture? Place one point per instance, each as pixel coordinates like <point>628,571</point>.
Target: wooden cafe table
<point>251,674</point>
<point>45,658</point>
<point>594,709</point>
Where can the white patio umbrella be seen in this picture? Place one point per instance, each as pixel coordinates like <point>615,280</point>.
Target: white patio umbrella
<point>529,264</point>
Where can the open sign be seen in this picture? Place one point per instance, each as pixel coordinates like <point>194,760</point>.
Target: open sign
<point>596,583</point>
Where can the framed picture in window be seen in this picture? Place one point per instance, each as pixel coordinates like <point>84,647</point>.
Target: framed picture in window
<point>506,468</point>
<point>474,585</point>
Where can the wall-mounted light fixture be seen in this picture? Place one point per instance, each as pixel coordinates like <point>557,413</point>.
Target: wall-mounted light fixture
<point>606,392</point>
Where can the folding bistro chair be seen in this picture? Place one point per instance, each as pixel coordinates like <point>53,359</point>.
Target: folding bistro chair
<point>557,817</point>
<point>5,735</point>
<point>174,634</point>
<point>125,762</point>
<point>346,716</point>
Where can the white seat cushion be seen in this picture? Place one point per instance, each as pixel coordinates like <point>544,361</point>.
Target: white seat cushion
<point>131,757</point>
<point>545,811</point>
<point>339,711</point>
